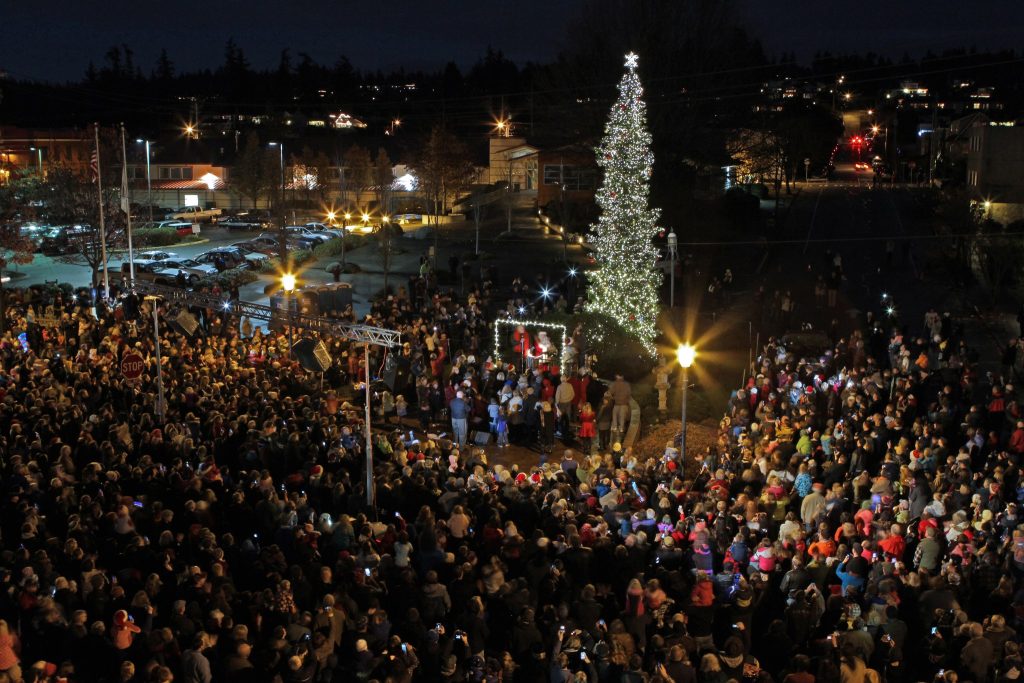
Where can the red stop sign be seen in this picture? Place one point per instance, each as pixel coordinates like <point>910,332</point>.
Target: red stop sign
<point>132,365</point>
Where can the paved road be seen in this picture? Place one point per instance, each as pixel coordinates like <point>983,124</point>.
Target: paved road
<point>47,268</point>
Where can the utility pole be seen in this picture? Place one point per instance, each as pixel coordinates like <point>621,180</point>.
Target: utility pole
<point>673,245</point>
<point>369,437</point>
<point>126,203</point>
<point>103,224</point>
<point>508,195</point>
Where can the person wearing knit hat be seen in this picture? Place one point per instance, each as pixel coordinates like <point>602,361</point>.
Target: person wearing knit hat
<point>123,630</point>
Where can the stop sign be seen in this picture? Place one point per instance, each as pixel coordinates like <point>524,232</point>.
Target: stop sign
<point>131,365</point>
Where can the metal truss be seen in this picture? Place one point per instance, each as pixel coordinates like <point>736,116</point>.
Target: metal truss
<point>362,334</point>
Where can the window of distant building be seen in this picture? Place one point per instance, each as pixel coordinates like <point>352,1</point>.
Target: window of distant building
<point>573,177</point>
<point>174,173</point>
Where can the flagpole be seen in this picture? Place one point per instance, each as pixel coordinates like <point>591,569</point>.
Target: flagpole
<point>126,204</point>
<point>103,225</point>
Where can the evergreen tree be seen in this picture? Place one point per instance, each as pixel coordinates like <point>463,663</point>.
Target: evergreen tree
<point>625,285</point>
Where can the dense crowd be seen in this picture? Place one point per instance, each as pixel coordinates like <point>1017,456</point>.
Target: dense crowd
<point>856,521</point>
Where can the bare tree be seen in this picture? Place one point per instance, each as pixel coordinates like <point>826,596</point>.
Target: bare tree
<point>14,248</point>
<point>356,170</point>
<point>383,178</point>
<point>74,201</point>
<point>443,169</point>
<point>249,174</point>
<point>386,251</point>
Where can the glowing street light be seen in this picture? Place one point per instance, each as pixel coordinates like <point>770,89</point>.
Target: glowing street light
<point>366,218</point>
<point>685,354</point>
<point>288,285</point>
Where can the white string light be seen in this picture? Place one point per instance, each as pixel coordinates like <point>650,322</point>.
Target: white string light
<point>532,323</point>
<point>625,285</point>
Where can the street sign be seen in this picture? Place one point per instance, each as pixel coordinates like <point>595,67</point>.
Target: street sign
<point>132,365</point>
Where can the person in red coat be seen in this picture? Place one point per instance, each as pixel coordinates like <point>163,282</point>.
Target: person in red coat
<point>124,630</point>
<point>1017,438</point>
<point>588,428</point>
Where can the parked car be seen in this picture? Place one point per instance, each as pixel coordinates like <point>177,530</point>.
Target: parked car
<point>146,211</point>
<point>222,260</point>
<point>181,227</point>
<point>362,228</point>
<point>257,246</point>
<point>154,255</point>
<point>67,239</point>
<point>295,242</point>
<point>232,257</point>
<point>305,232</point>
<point>250,219</point>
<point>335,231</point>
<point>144,270</point>
<point>192,213</point>
<point>193,270</point>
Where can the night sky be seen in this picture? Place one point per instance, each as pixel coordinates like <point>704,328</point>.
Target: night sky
<point>56,39</point>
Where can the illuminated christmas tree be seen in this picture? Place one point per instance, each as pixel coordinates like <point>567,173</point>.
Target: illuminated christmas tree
<point>625,285</point>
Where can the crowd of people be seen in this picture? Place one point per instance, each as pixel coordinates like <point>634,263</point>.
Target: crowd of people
<point>857,519</point>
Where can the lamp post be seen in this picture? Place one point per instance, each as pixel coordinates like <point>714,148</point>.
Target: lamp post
<point>288,285</point>
<point>685,354</point>
<point>39,157</point>
<point>149,178</point>
<point>283,238</point>
<point>673,246</point>
<point>344,235</point>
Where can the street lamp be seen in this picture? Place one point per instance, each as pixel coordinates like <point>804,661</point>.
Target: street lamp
<point>673,246</point>
<point>149,178</point>
<point>686,354</point>
<point>39,156</point>
<point>283,237</point>
<point>288,285</point>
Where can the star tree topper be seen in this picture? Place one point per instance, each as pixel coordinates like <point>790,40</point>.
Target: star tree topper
<point>631,60</point>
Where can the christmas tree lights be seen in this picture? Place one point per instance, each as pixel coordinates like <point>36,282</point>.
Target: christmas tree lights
<point>625,284</point>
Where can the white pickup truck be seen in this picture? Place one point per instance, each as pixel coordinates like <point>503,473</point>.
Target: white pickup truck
<point>191,213</point>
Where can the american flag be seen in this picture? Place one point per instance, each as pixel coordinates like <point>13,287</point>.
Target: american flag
<point>94,165</point>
